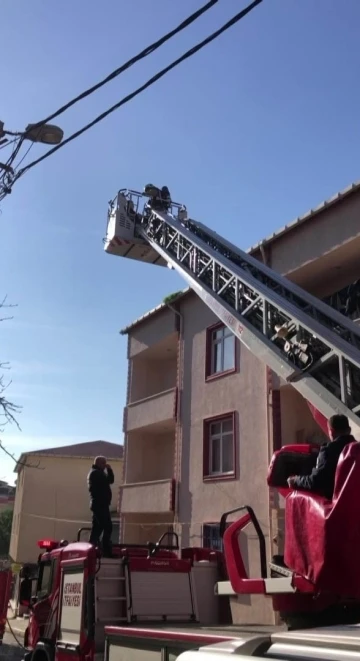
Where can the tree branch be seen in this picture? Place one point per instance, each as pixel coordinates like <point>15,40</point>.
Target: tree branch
<point>4,304</point>
<point>19,463</point>
<point>8,409</point>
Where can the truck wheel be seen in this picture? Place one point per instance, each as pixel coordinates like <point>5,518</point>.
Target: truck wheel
<point>27,656</point>
<point>43,653</point>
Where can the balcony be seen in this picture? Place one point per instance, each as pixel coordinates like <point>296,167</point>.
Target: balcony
<point>148,497</point>
<point>157,411</point>
<point>155,338</point>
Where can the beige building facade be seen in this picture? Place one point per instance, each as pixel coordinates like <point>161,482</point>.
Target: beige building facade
<point>52,499</point>
<point>203,415</point>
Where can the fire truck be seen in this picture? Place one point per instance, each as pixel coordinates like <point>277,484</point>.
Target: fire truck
<point>5,587</point>
<point>162,602</point>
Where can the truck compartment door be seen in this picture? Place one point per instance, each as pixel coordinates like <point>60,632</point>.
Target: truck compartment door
<point>75,623</point>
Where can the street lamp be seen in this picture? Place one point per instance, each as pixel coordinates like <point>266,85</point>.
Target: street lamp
<point>48,134</point>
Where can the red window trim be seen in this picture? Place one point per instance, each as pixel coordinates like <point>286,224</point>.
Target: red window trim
<point>218,477</point>
<point>218,375</point>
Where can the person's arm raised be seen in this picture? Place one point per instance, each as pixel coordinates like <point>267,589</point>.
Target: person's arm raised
<point>110,474</point>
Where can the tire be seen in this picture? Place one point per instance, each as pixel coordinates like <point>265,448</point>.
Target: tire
<point>43,652</point>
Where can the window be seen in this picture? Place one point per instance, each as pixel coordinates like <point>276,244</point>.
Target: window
<point>220,351</point>
<point>115,536</point>
<point>211,536</point>
<point>219,447</point>
<point>45,580</point>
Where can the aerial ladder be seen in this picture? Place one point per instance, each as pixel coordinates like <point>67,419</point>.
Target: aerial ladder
<point>304,341</point>
<point>308,345</point>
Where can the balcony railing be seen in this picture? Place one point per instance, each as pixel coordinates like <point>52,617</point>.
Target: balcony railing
<point>148,497</point>
<point>154,410</point>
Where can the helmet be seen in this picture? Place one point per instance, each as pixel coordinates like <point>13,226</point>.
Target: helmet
<point>151,191</point>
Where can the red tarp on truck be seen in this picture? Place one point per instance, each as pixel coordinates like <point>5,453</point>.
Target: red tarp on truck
<point>5,585</point>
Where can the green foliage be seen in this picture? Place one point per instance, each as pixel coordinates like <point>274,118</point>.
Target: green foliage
<point>172,297</point>
<point>6,517</point>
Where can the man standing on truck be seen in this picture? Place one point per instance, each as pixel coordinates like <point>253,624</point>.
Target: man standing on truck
<point>99,480</point>
<point>322,478</point>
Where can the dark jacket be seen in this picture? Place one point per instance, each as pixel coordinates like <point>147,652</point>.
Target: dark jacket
<point>322,477</point>
<point>99,487</point>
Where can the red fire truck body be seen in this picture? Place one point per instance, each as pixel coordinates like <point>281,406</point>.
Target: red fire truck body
<point>79,593</point>
<point>86,605</point>
<point>5,586</point>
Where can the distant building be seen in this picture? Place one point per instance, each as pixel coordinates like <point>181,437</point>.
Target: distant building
<point>52,500</point>
<point>7,496</point>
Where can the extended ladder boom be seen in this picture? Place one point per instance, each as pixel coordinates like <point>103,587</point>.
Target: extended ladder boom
<point>306,342</point>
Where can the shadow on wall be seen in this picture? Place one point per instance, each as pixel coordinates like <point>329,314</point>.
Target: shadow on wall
<point>185,496</point>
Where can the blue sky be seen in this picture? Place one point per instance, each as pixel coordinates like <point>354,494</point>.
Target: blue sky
<point>255,130</point>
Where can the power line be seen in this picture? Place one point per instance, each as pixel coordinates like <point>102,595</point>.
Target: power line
<point>7,175</point>
<point>7,143</point>
<point>143,87</point>
<point>6,170</point>
<point>140,56</point>
<point>25,155</point>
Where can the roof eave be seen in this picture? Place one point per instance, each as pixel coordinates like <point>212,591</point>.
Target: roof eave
<point>157,309</point>
<point>353,188</point>
<point>24,458</point>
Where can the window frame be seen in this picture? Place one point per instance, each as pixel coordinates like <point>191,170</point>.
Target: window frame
<point>209,374</point>
<point>221,476</point>
<point>40,594</point>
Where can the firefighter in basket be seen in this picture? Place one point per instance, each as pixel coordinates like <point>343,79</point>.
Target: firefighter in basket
<point>159,198</point>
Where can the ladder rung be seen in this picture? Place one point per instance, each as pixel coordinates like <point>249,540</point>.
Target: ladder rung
<point>284,571</point>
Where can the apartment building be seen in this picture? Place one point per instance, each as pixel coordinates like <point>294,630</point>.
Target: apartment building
<point>52,499</point>
<point>204,415</point>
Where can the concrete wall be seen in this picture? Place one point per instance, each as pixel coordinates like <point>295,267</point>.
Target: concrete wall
<point>148,497</point>
<point>150,456</point>
<point>144,336</point>
<point>297,423</point>
<point>325,245</point>
<point>245,393</point>
<point>142,528</point>
<point>151,376</point>
<point>151,411</point>
<point>52,501</point>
